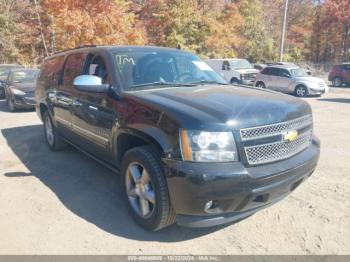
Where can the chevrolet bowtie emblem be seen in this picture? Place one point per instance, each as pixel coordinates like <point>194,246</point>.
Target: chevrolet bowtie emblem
<point>290,136</point>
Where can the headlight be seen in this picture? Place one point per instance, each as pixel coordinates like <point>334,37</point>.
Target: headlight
<point>17,92</point>
<point>205,146</point>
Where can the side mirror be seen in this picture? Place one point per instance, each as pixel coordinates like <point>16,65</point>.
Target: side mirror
<point>90,83</point>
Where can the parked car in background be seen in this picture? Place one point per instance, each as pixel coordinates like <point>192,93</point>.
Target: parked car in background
<point>259,66</point>
<point>188,147</point>
<point>19,88</point>
<point>235,71</point>
<point>340,74</point>
<point>5,69</point>
<point>290,79</point>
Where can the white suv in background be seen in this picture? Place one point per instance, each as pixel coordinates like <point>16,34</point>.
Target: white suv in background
<point>235,70</point>
<point>290,79</point>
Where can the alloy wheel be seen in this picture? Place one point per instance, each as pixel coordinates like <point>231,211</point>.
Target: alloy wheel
<point>301,91</point>
<point>140,190</point>
<point>260,85</point>
<point>49,131</point>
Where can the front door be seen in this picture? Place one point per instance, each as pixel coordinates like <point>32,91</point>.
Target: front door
<point>94,117</point>
<point>283,81</point>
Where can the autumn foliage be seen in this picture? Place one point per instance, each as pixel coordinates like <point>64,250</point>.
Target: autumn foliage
<point>317,31</point>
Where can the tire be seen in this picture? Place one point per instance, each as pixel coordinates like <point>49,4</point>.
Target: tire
<point>260,85</point>
<point>234,81</point>
<point>301,91</point>
<point>53,138</point>
<point>337,82</point>
<point>136,191</point>
<point>11,106</point>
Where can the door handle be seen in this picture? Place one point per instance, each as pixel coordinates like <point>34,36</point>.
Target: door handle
<point>76,103</point>
<point>93,108</point>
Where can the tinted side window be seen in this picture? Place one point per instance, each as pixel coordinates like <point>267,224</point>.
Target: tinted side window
<point>274,71</point>
<point>51,71</point>
<point>284,73</point>
<point>96,66</point>
<point>225,65</point>
<point>73,68</point>
<point>266,71</point>
<point>347,67</point>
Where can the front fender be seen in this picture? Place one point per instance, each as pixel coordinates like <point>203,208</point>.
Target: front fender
<point>150,134</point>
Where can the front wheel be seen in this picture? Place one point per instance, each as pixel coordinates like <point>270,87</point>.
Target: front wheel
<point>145,189</point>
<point>260,85</point>
<point>301,91</point>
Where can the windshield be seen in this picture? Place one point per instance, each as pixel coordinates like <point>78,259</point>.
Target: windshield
<point>24,76</point>
<point>4,72</point>
<point>298,72</point>
<point>164,68</point>
<point>240,64</point>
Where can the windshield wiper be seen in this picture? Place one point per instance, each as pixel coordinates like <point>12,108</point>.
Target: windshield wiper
<point>207,82</point>
<point>162,83</point>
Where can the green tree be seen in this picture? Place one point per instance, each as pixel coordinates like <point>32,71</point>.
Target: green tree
<point>258,43</point>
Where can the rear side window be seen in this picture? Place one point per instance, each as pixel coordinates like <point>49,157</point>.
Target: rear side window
<point>51,71</point>
<point>226,65</point>
<point>73,67</point>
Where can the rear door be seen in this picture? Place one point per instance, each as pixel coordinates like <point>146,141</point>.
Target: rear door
<point>66,93</point>
<point>267,77</point>
<point>94,117</point>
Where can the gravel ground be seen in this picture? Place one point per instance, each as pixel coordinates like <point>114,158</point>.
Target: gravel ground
<point>65,203</point>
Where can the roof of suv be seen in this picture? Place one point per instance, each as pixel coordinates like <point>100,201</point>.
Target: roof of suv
<point>24,69</point>
<point>115,48</point>
<point>226,59</point>
<point>10,65</point>
<point>289,66</point>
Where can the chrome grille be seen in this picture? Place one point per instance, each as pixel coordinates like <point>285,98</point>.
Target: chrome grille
<point>267,153</point>
<point>249,76</point>
<point>275,129</point>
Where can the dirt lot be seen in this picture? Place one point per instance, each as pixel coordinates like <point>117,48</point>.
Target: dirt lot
<point>65,203</point>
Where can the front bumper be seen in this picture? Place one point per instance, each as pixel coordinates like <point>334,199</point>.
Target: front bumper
<point>317,91</point>
<point>238,191</point>
<point>246,82</point>
<point>24,101</point>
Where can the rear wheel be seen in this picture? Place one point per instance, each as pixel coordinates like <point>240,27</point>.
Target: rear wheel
<point>260,85</point>
<point>145,189</point>
<point>53,138</point>
<point>301,91</point>
<point>337,82</point>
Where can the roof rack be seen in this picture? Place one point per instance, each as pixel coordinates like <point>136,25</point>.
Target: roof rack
<point>78,47</point>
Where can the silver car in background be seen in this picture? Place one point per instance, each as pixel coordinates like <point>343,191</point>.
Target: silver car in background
<point>290,79</point>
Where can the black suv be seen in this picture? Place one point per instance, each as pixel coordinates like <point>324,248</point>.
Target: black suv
<point>189,148</point>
